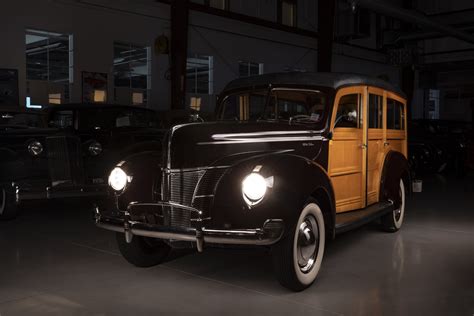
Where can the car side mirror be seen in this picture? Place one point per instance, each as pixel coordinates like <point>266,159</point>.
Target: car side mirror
<point>330,135</point>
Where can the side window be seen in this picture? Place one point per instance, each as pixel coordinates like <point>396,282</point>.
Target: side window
<point>348,112</point>
<point>375,111</point>
<point>395,115</point>
<point>62,119</point>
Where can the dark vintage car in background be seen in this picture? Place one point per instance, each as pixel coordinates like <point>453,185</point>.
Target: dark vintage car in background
<point>73,154</point>
<point>438,145</point>
<point>293,160</point>
<point>21,118</point>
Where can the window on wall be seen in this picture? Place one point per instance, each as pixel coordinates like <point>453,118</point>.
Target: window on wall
<point>395,115</point>
<point>199,74</point>
<point>287,12</point>
<point>132,73</point>
<point>218,4</point>
<point>247,69</point>
<point>49,67</point>
<point>375,111</point>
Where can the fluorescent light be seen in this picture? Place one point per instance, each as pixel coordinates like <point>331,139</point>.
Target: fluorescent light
<point>31,106</point>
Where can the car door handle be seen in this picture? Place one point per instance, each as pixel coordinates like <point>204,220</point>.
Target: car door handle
<point>363,146</point>
<point>386,143</point>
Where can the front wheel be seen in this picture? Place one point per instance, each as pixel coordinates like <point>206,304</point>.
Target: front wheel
<point>8,208</point>
<point>297,258</point>
<point>393,221</point>
<point>142,251</point>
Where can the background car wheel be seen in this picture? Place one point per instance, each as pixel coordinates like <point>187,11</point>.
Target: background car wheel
<point>297,258</point>
<point>8,208</point>
<point>143,252</point>
<point>393,221</point>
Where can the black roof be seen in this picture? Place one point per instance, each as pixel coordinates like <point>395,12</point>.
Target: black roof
<point>72,106</point>
<point>322,79</point>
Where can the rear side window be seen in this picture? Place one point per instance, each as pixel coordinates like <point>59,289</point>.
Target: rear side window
<point>395,115</point>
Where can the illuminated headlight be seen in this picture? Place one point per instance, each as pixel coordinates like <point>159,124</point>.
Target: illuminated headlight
<point>35,148</point>
<point>118,179</point>
<point>95,148</point>
<point>254,188</point>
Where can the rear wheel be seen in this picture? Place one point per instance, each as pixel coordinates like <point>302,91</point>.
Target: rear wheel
<point>8,207</point>
<point>393,221</point>
<point>142,251</point>
<point>297,258</point>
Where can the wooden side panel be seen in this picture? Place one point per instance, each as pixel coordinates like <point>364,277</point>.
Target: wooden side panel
<point>397,139</point>
<point>346,156</point>
<point>375,156</point>
<point>375,150</point>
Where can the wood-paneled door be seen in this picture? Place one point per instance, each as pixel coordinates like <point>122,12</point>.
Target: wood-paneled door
<point>347,148</point>
<point>376,142</point>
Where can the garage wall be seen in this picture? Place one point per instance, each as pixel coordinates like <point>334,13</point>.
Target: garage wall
<point>96,24</point>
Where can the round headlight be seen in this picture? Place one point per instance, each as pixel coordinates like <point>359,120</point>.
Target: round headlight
<point>95,148</point>
<point>254,188</point>
<point>35,148</point>
<point>118,179</point>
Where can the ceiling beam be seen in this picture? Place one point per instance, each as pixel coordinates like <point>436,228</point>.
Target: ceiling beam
<point>412,17</point>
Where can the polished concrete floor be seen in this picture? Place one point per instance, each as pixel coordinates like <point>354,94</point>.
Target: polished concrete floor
<point>53,261</point>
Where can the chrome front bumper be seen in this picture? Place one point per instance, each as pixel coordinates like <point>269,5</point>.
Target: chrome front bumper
<point>270,233</point>
<point>40,191</point>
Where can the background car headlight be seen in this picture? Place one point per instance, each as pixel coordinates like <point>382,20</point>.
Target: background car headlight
<point>254,188</point>
<point>35,148</point>
<point>95,148</point>
<point>118,179</point>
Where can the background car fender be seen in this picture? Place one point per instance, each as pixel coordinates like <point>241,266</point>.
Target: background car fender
<point>295,181</point>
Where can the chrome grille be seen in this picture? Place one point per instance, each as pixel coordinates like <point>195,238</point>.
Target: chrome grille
<point>65,160</point>
<point>182,186</point>
<point>192,188</point>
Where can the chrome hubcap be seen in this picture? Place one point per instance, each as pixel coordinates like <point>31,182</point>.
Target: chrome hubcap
<point>398,212</point>
<point>308,243</point>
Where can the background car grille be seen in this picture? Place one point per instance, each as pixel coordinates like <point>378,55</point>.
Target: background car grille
<point>192,188</point>
<point>65,160</point>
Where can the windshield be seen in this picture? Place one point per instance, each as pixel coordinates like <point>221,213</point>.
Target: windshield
<point>101,118</point>
<point>31,120</point>
<point>116,118</point>
<point>294,105</point>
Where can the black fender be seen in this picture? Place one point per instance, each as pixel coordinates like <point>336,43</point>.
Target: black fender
<point>145,174</point>
<point>295,180</point>
<point>144,146</point>
<point>396,167</point>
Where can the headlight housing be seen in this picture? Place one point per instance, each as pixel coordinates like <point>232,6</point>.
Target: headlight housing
<point>254,188</point>
<point>35,148</point>
<point>95,148</point>
<point>118,179</point>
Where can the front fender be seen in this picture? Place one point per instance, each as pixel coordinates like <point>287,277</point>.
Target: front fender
<point>295,180</point>
<point>145,171</point>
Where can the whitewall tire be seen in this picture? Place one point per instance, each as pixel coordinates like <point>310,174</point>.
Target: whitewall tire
<point>393,221</point>
<point>297,258</point>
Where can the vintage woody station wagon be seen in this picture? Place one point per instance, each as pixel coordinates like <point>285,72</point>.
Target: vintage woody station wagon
<point>292,160</point>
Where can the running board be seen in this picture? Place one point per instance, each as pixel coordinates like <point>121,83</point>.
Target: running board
<point>349,220</point>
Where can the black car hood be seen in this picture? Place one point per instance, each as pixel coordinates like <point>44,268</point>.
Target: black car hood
<point>225,143</point>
